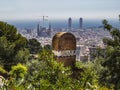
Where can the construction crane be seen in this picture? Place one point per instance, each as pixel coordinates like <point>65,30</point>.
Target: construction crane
<point>44,19</point>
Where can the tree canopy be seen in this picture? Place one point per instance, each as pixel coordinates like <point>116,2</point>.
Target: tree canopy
<point>112,57</point>
<point>11,45</point>
<point>34,46</point>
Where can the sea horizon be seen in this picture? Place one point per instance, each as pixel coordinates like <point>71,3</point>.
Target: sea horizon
<point>63,23</point>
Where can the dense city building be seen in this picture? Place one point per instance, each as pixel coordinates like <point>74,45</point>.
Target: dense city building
<point>85,38</point>
<point>43,31</point>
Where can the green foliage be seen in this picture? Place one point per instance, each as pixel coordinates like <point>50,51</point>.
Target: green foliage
<point>48,47</point>
<point>16,78</point>
<point>111,75</point>
<point>48,74</point>
<point>34,46</point>
<point>22,56</point>
<point>8,31</point>
<point>6,48</point>
<point>90,75</point>
<point>20,43</point>
<point>11,45</point>
<point>45,73</point>
<point>2,71</point>
<point>18,71</point>
<point>106,25</point>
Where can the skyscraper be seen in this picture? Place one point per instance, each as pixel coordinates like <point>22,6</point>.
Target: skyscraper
<point>69,23</point>
<point>49,30</point>
<point>81,23</point>
<point>38,30</point>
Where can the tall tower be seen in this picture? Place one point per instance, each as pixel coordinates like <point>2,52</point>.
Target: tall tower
<point>49,30</point>
<point>38,30</point>
<point>50,26</point>
<point>69,23</point>
<point>81,23</point>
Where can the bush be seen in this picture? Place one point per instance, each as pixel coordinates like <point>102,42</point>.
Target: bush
<point>18,71</point>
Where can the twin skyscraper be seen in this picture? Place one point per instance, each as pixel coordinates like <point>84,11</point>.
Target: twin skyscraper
<point>70,23</point>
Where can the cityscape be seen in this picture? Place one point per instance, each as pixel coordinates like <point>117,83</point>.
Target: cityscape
<point>88,39</point>
<point>59,45</point>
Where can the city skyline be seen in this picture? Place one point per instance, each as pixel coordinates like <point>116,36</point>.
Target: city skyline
<point>59,9</point>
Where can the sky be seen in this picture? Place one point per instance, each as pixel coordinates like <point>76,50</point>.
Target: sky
<point>58,9</point>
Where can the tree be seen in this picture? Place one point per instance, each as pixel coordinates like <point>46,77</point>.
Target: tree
<point>11,44</point>
<point>112,57</point>
<point>18,71</point>
<point>16,78</point>
<point>48,47</point>
<point>34,46</point>
<point>47,73</point>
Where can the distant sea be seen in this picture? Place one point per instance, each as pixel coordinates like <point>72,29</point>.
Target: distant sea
<point>61,23</point>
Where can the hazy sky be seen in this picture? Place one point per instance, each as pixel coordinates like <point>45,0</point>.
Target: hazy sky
<point>33,9</point>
